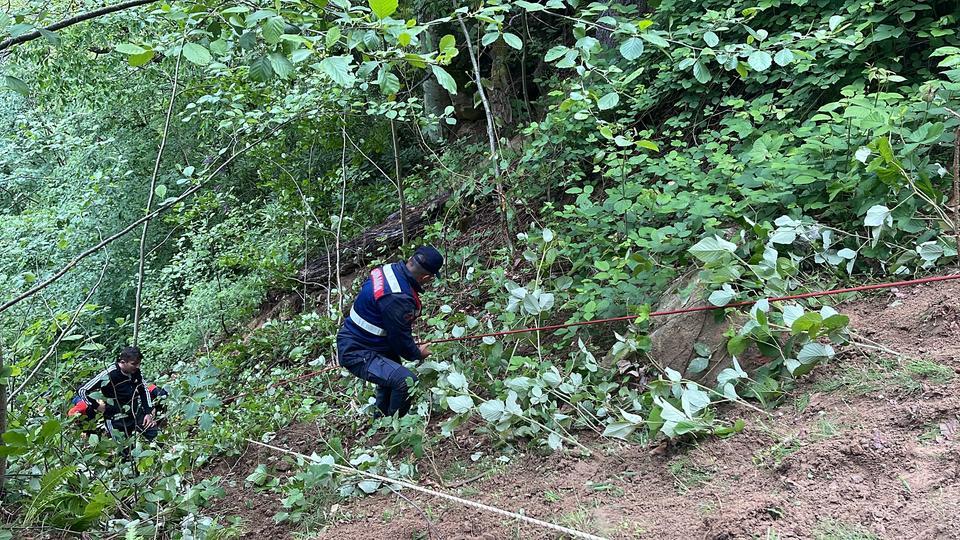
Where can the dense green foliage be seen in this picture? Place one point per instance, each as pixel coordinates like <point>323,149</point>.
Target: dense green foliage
<point>776,145</point>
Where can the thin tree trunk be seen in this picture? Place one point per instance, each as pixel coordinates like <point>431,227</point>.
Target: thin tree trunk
<point>956,190</point>
<point>491,133</point>
<point>152,189</point>
<point>432,92</point>
<point>343,198</point>
<point>3,425</point>
<point>403,200</point>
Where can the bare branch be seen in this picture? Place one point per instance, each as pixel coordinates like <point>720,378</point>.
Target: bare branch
<point>10,42</point>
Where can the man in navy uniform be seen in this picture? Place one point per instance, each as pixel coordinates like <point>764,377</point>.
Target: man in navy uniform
<point>378,332</point>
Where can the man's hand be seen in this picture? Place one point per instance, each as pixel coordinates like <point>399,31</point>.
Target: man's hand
<point>148,421</point>
<point>101,406</point>
<point>424,350</point>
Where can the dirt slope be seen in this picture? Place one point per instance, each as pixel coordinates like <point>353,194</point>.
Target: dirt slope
<point>868,447</point>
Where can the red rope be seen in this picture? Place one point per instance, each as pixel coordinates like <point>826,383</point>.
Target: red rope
<point>695,309</point>
<point>704,308</point>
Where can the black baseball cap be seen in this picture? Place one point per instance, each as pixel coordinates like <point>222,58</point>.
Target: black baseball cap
<point>429,258</point>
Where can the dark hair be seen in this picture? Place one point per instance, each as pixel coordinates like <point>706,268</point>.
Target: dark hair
<point>131,353</point>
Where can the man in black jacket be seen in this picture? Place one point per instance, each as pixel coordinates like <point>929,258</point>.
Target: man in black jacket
<point>127,406</point>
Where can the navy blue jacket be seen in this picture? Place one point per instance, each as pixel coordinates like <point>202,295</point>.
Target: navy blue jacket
<point>382,317</point>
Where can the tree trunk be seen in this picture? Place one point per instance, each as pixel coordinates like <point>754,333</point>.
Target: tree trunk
<point>501,91</point>
<point>433,95</point>
<point>3,425</point>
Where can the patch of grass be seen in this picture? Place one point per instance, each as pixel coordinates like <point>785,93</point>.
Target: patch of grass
<point>688,475</point>
<point>837,530</point>
<point>606,487</point>
<point>930,433</point>
<point>787,445</point>
<point>551,496</point>
<point>907,376</point>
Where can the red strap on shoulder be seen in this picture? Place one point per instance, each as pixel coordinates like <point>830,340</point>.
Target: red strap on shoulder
<point>378,283</point>
<point>151,388</point>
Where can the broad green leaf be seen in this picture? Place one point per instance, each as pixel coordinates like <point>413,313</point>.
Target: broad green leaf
<point>529,6</point>
<point>862,154</point>
<point>15,438</point>
<point>160,191</point>
<point>444,78</point>
<point>261,70</point>
<point>259,475</point>
<point>492,410</point>
<point>701,73</point>
<point>333,36</point>
<point>20,29</point>
<point>555,52</point>
<point>339,69</point>
<point>783,57</point>
<point>129,48</point>
<point>460,404</point>
<point>694,400</point>
<point>448,41</point>
<point>711,39</point>
<point>383,8</point>
<point>630,49</point>
<point>834,22</point>
<point>17,85</point>
<point>608,101</point>
<point>457,380</point>
<point>814,352</point>
<point>137,60</point>
<point>197,54</point>
<point>723,296</point>
<point>877,216</point>
<point>649,145</point>
<point>619,430</point>
<point>712,249</point>
<point>760,60</point>
<point>513,40</point>
<point>698,365</point>
<point>489,38</point>
<point>273,29</point>
<point>49,429</point>
<point>655,39</point>
<point>281,65</point>
<point>791,313</point>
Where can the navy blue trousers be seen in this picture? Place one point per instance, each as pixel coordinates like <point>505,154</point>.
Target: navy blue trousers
<point>393,394</point>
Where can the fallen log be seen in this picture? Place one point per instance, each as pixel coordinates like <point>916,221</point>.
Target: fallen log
<point>380,238</point>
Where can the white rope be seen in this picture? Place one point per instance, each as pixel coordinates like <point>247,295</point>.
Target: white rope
<point>480,506</point>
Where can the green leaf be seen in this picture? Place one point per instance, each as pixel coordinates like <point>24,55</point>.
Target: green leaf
<point>760,60</point>
<point>723,296</point>
<point>15,438</point>
<point>711,39</point>
<point>877,216</point>
<point>813,353</point>
<point>655,39</point>
<point>383,8</point>
<point>273,29</point>
<point>51,37</point>
<point>457,380</point>
<point>444,78</point>
<point>619,430</point>
<point>259,475</point>
<point>197,54</point>
<point>333,36</point>
<point>129,48</point>
<point>783,57</point>
<point>17,85</point>
<point>630,49</point>
<point>489,38</point>
<point>160,191</point>
<point>698,365</point>
<point>281,65</point>
<point>448,41</point>
<point>18,30</point>
<point>492,410</point>
<point>555,52</point>
<point>712,249</point>
<point>260,69</point>
<point>137,60</point>
<point>339,69</point>
<point>513,40</point>
<point>608,101</point>
<point>809,322</point>
<point>834,22</point>
<point>460,404</point>
<point>649,145</point>
<point>701,73</point>
<point>299,55</point>
<point>529,6</point>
